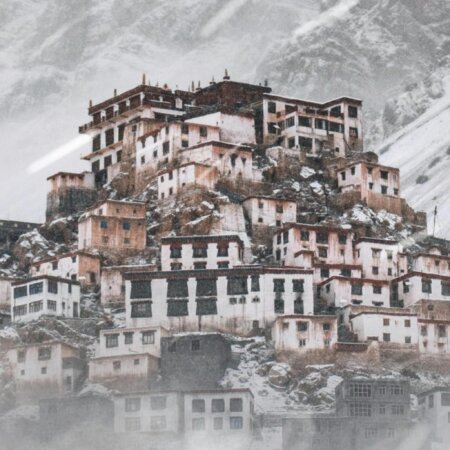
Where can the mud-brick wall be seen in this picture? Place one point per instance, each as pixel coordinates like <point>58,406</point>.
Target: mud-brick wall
<point>69,201</point>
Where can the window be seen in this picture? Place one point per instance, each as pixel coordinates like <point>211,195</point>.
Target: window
<point>222,250</point>
<point>304,235</point>
<point>132,404</point>
<point>430,401</point>
<point>360,390</point>
<point>128,337</point>
<point>385,322</point>
<point>302,343</point>
<point>360,410</point>
<point>21,291</point>
<point>148,337</point>
<point>426,286</point>
<point>305,142</point>
<point>236,405</point>
<point>112,340</point>
<point>356,289</point>
<point>36,288</point>
<point>20,310</point>
<point>304,121</point>
<point>298,285</point>
<point>96,144</point>
<point>382,409</point>
<point>323,252</point>
<point>384,174</point>
<point>237,285</point>
<point>198,405</point>
<point>371,186</point>
<point>290,122</point>
<point>132,424</point>
<point>407,323</point>
<point>223,265</point>
<point>104,224</point>
<point>206,306</point>
<point>236,423</point>
<point>442,331</point>
<point>200,252</point>
<point>407,339</point>
<point>141,289</point>
<point>217,405</point>
<point>278,285</point>
<point>158,403</point>
<point>36,306</point>
<point>396,390</point>
<point>398,410</point>
<point>271,128</point>
<point>325,273</point>
<point>302,326</point>
<point>352,112</point>
<point>44,353</point>
<point>184,143</point>
<point>141,309</point>
<point>166,148</point>
<point>177,308</point>
<point>271,107</point>
<point>322,238</point>
<point>386,337</point>
<point>199,265</point>
<point>326,327</point>
<point>376,289</point>
<point>353,132</point>
<point>107,161</point>
<point>126,225</point>
<point>203,132</point>
<point>184,128</point>
<point>206,287</point>
<point>136,361</point>
<point>175,252</point>
<point>445,288</point>
<point>217,423</point>
<point>384,189</point>
<point>375,270</point>
<point>346,272</point>
<point>423,330</point>
<point>445,399</point>
<point>44,370</point>
<point>21,356</point>
<point>198,424</point>
<point>195,345</point>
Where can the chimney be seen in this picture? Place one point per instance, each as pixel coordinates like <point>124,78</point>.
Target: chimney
<point>198,86</point>
<point>266,83</point>
<point>226,76</point>
<point>115,92</point>
<point>212,81</point>
<point>192,86</point>
<point>90,103</point>
<point>143,78</point>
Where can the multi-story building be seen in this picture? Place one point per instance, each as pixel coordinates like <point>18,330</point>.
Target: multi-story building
<point>300,333</point>
<point>323,271</point>
<point>434,410</point>
<point>386,326</point>
<point>113,225</point>
<point>237,300</point>
<point>414,286</point>
<point>434,335</point>
<point>70,193</point>
<point>76,266</point>
<point>299,244</point>
<point>375,185</point>
<point>177,179</point>
<point>126,358</point>
<point>380,258</point>
<point>44,295</point>
<point>434,263</point>
<point>201,252</point>
<point>313,127</point>
<point>270,211</point>
<point>46,369</point>
<point>112,285</point>
<point>189,361</point>
<point>340,291</point>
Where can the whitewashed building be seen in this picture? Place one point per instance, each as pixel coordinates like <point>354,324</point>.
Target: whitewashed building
<point>431,262</point>
<point>270,211</point>
<point>341,291</point>
<point>323,271</point>
<point>236,300</point>
<point>76,266</point>
<point>44,295</point>
<point>434,335</point>
<point>386,326</point>
<point>201,252</point>
<point>302,333</point>
<point>299,244</point>
<point>380,258</point>
<point>47,369</point>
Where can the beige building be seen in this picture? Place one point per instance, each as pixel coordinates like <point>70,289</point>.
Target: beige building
<point>300,333</point>
<point>47,369</point>
<point>373,184</point>
<point>112,286</point>
<point>44,295</point>
<point>126,358</point>
<point>432,262</point>
<point>173,181</point>
<point>296,243</point>
<point>232,161</point>
<point>312,127</point>
<point>201,252</point>
<point>76,266</point>
<point>113,225</point>
<point>380,258</point>
<point>269,211</point>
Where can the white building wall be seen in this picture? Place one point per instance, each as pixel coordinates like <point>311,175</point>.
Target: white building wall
<point>263,211</point>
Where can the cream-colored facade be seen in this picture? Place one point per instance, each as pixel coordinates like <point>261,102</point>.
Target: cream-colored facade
<point>268,211</point>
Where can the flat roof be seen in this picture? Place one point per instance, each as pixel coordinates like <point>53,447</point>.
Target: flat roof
<point>64,255</point>
<point>313,103</point>
<point>71,174</point>
<point>318,226</point>
<point>354,280</point>
<point>267,197</point>
<point>46,277</point>
<point>222,144</point>
<point>422,275</point>
<point>208,238</point>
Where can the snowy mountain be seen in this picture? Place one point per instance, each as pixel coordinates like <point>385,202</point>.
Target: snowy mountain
<point>55,56</point>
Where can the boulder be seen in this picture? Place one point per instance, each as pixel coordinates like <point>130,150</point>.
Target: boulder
<point>279,375</point>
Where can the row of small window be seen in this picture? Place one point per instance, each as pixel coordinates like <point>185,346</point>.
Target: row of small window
<point>34,307</point>
<point>303,326</point>
<point>159,423</point>
<point>335,111</point>
<point>384,174</point>
<point>126,241</point>
<point>366,390</point>
<point>441,331</point>
<point>178,288</point>
<point>107,161</point>
<point>37,288</point>
<point>387,338</point>
<point>217,405</point>
<point>365,410</point>
<point>304,342</point>
<point>133,404</point>
<point>445,400</point>
<point>44,353</point>
<point>125,225</point>
<point>112,340</point>
<point>200,265</point>
<point>386,323</point>
<point>427,288</point>
<point>357,289</point>
<point>308,122</point>
<point>198,252</point>
<point>204,306</point>
<point>109,138</point>
<point>322,237</point>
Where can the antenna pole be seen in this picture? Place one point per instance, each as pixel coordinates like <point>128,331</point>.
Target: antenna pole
<point>434,219</point>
